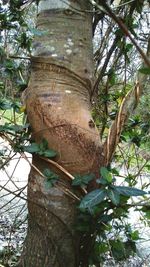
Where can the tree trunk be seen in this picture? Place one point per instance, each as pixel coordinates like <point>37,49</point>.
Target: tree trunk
<point>58,110</point>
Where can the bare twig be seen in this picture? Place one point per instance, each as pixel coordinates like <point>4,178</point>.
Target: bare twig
<point>63,170</point>
<point>65,190</point>
<point>123,28</point>
<point>113,47</point>
<point>19,57</point>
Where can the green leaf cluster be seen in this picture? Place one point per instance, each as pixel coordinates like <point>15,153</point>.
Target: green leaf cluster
<point>101,213</point>
<point>108,191</point>
<point>40,149</point>
<point>82,181</point>
<point>52,178</point>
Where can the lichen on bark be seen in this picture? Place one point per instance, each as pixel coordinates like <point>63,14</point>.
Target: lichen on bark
<point>58,109</point>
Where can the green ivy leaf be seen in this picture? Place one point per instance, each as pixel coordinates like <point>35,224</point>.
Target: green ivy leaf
<point>106,174</point>
<point>50,174</point>
<point>49,184</point>
<point>129,191</point>
<point>77,181</point>
<point>106,218</point>
<point>114,197</point>
<point>118,249</point>
<point>82,180</point>
<point>16,106</point>
<point>18,128</point>
<point>3,152</point>
<point>101,181</point>
<point>88,177</point>
<point>128,47</point>
<point>112,77</point>
<point>4,105</point>
<point>146,210</point>
<point>47,173</point>
<point>33,148</point>
<point>9,128</point>
<point>93,198</point>
<point>115,171</point>
<point>51,178</point>
<point>41,149</point>
<point>145,70</point>
<point>49,153</point>
<point>43,145</point>
<point>103,247</point>
<point>148,167</point>
<point>135,235</point>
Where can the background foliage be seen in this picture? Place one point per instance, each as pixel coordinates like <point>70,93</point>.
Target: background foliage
<point>103,213</point>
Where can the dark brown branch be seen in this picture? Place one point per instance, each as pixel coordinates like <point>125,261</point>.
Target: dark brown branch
<point>113,47</point>
<point>103,44</point>
<point>17,195</point>
<point>125,30</point>
<point>97,18</point>
<point>17,57</point>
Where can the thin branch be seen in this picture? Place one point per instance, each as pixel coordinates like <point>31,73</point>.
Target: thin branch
<point>124,4</point>
<point>64,190</point>
<point>139,204</point>
<point>14,192</point>
<point>103,43</point>
<point>63,170</point>
<point>113,47</point>
<point>103,5</point>
<point>127,107</point>
<point>17,57</point>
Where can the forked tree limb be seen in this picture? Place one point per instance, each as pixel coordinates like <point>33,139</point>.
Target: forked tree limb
<point>131,100</point>
<point>103,6</point>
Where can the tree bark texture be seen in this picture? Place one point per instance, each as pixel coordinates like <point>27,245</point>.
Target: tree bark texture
<point>58,109</point>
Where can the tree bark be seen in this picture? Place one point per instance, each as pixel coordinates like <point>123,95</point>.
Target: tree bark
<point>58,109</point>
